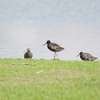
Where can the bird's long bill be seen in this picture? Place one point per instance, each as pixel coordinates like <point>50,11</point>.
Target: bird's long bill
<point>44,44</point>
<point>77,55</point>
<point>25,51</point>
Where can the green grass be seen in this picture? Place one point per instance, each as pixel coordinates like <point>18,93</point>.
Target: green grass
<point>49,80</point>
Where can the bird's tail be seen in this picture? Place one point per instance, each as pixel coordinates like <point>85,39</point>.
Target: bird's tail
<point>96,58</point>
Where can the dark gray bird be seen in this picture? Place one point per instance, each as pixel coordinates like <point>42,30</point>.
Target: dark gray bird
<point>54,47</point>
<point>87,56</point>
<point>28,54</point>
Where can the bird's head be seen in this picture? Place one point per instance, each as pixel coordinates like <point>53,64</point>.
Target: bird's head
<point>48,42</point>
<point>28,49</point>
<point>79,54</point>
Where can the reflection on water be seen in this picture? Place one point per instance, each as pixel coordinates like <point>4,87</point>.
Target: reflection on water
<point>72,24</point>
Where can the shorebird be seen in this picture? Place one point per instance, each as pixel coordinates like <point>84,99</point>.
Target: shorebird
<point>86,56</point>
<point>28,54</point>
<point>54,47</point>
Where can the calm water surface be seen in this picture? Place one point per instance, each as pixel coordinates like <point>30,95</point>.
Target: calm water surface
<point>73,24</point>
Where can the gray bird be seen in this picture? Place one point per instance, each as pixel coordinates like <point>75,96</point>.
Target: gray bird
<point>87,56</point>
<point>28,54</point>
<point>54,47</point>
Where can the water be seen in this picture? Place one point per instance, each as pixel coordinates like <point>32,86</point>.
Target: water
<point>73,24</point>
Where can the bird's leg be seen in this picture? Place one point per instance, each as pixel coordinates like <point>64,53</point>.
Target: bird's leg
<point>54,54</point>
<point>57,55</point>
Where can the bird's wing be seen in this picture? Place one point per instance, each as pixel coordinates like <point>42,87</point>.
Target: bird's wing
<point>55,47</point>
<point>88,56</point>
<point>54,44</point>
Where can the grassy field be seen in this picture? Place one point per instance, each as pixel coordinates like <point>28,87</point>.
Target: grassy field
<point>49,80</point>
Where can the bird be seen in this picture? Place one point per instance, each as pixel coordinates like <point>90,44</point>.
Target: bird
<point>28,54</point>
<point>87,56</point>
<point>53,47</point>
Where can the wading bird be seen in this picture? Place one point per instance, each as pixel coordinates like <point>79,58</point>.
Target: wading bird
<point>86,56</point>
<point>28,54</point>
<point>54,47</point>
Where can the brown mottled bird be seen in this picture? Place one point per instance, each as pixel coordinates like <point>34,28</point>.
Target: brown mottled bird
<point>28,54</point>
<point>53,47</point>
<point>87,56</point>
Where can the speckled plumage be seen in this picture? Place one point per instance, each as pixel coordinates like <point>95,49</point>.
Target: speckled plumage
<point>54,47</point>
<point>28,54</point>
<point>87,56</point>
